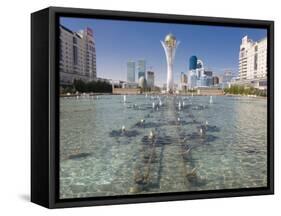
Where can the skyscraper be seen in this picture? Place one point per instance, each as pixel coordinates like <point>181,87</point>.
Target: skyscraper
<point>141,68</point>
<point>131,71</point>
<point>150,79</point>
<point>183,81</point>
<point>215,80</point>
<point>199,68</point>
<point>183,78</point>
<point>198,76</point>
<point>202,81</point>
<point>192,62</point>
<point>170,45</point>
<point>192,79</point>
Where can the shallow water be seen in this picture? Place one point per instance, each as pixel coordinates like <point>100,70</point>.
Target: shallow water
<point>97,158</point>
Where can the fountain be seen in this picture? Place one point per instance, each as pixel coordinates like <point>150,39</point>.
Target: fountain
<point>124,98</point>
<point>123,129</point>
<point>211,100</point>
<point>151,135</point>
<point>202,131</point>
<point>179,105</point>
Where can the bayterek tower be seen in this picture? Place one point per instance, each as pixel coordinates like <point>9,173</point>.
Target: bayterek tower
<point>170,45</point>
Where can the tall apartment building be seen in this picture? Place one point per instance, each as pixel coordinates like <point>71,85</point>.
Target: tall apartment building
<point>253,59</point>
<point>77,56</point>
<point>131,71</point>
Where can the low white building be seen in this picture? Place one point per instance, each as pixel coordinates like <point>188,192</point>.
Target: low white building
<point>130,85</point>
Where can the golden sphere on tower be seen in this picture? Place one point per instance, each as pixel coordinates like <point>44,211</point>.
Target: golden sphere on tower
<point>170,40</point>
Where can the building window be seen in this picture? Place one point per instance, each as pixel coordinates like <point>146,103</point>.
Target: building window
<point>256,62</point>
<point>60,47</point>
<point>74,40</point>
<point>75,55</point>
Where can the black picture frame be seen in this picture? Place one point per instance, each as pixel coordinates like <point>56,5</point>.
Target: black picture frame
<point>45,106</point>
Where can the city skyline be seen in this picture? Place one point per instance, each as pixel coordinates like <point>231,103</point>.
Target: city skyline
<point>119,41</point>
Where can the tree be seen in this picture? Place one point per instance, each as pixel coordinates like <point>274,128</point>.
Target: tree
<point>244,90</point>
<point>79,85</point>
<point>92,86</point>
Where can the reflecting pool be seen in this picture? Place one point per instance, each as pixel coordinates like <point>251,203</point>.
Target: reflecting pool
<point>116,145</point>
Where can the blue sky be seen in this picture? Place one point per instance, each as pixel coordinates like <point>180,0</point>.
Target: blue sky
<point>120,41</point>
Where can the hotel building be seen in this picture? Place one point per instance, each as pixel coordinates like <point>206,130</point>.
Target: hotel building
<point>252,59</point>
<point>77,56</point>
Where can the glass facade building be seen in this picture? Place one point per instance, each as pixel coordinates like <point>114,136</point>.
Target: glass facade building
<point>192,63</point>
